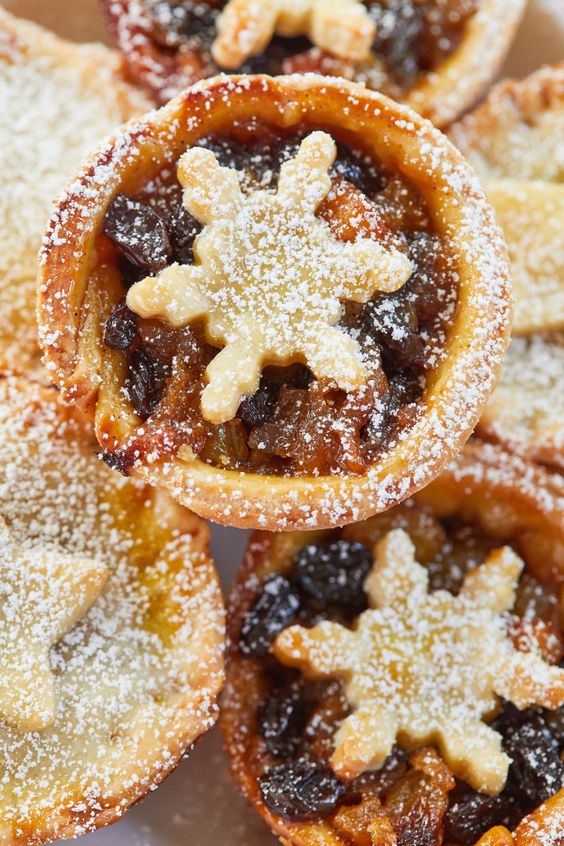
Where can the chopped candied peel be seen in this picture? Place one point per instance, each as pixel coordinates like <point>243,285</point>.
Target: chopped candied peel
<point>426,668</point>
<point>43,594</point>
<point>245,28</point>
<point>269,276</point>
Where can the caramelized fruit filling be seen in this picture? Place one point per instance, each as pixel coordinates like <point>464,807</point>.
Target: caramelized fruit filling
<point>414,795</point>
<point>412,37</point>
<point>293,424</point>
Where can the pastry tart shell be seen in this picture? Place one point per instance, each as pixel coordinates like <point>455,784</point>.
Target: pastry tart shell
<point>516,131</point>
<point>81,92</point>
<point>514,140</point>
<point>509,499</point>
<point>457,388</point>
<point>463,78</point>
<point>158,729</point>
<point>441,95</point>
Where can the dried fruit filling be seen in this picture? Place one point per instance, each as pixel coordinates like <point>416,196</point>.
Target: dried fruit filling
<point>293,424</point>
<point>412,37</point>
<point>295,720</point>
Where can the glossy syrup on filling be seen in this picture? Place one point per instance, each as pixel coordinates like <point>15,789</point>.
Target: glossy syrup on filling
<point>293,722</point>
<point>293,424</point>
<point>412,37</point>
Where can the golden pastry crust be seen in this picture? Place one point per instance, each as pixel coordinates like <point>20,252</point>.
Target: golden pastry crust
<point>531,212</point>
<point>441,95</point>
<point>515,139</point>
<point>136,680</point>
<point>58,100</point>
<point>517,131</point>
<point>72,296</point>
<point>512,502</point>
<point>460,81</point>
<point>526,410</point>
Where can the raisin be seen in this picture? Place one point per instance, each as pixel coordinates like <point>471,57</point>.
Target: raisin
<point>555,722</point>
<point>359,170</point>
<point>139,233</point>
<point>391,320</point>
<point>176,22</point>
<point>301,790</point>
<point>334,573</point>
<point>182,230</point>
<point>472,814</point>
<point>423,288</point>
<point>536,771</point>
<point>145,382</point>
<point>116,461</point>
<point>399,31</point>
<point>130,273</point>
<point>298,376</point>
<point>274,610</point>
<point>121,328</point>
<point>271,59</point>
<point>259,408</point>
<point>282,721</point>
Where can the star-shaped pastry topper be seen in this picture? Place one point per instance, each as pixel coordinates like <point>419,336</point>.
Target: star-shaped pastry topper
<point>245,27</point>
<point>422,667</point>
<point>43,594</point>
<point>269,276</point>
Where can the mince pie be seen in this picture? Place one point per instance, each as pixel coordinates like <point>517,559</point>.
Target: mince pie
<point>285,300</point>
<point>111,627</point>
<point>428,53</point>
<point>400,681</point>
<point>515,139</point>
<point>58,101</point>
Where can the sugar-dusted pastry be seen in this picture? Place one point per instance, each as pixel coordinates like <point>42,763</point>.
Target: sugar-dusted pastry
<point>58,101</point>
<point>515,139</point>
<point>111,627</point>
<point>517,131</point>
<point>285,300</point>
<point>437,56</point>
<point>400,681</point>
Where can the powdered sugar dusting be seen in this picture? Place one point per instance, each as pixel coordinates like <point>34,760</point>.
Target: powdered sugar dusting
<point>58,101</point>
<point>460,215</point>
<point>527,408</point>
<point>516,137</point>
<point>518,131</point>
<point>135,679</point>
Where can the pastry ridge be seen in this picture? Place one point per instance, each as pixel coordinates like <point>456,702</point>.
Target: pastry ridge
<point>457,389</point>
<point>125,717</point>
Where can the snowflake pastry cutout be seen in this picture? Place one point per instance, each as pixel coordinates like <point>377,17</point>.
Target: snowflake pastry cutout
<point>43,594</point>
<point>245,28</point>
<point>425,667</point>
<point>269,276</point>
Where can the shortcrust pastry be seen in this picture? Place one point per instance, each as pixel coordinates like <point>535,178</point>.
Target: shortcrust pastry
<point>58,101</point>
<point>414,716</point>
<point>515,139</point>
<point>437,56</point>
<point>285,300</point>
<point>111,627</point>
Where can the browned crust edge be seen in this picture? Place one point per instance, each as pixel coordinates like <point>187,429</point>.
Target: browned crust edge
<point>477,341</point>
<point>440,96</point>
<point>195,713</point>
<point>466,75</point>
<point>508,103</point>
<point>481,479</point>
